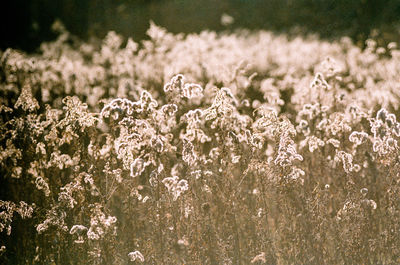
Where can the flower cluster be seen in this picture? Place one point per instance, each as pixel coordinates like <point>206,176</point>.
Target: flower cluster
<point>228,148</point>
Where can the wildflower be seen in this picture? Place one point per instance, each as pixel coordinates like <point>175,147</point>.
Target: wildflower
<point>286,151</point>
<point>369,204</point>
<point>92,235</point>
<point>26,100</point>
<point>347,160</point>
<point>147,102</point>
<point>364,191</point>
<point>41,184</point>
<point>259,258</point>
<point>183,242</point>
<point>313,143</point>
<point>319,83</point>
<point>136,255</point>
<point>169,109</point>
<point>357,137</point>
<point>66,198</point>
<point>188,154</point>
<point>303,127</point>
<point>330,67</point>
<point>137,167</point>
<point>334,142</point>
<point>157,144</point>
<point>392,46</point>
<point>296,175</point>
<point>257,141</point>
<point>2,250</point>
<point>235,159</point>
<point>192,90</point>
<point>226,19</point>
<point>175,186</point>
<point>77,229</point>
<point>176,84</point>
<point>196,174</point>
<point>131,46</point>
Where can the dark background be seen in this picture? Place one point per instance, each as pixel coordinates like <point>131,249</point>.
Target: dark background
<point>25,24</point>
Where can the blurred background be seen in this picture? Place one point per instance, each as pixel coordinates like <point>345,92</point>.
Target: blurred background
<point>27,23</point>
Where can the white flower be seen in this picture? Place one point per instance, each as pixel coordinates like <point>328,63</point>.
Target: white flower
<point>226,19</point>
<point>136,255</point>
<point>176,186</point>
<point>137,167</point>
<point>78,229</point>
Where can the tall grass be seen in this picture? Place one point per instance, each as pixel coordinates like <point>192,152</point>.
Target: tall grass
<point>200,149</point>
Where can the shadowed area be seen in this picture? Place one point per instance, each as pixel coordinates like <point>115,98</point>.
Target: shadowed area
<point>30,22</point>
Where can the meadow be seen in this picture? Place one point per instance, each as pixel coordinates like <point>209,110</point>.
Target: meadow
<point>212,148</point>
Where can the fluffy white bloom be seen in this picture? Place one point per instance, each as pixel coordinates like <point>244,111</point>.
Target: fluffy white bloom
<point>136,255</point>
<point>176,186</point>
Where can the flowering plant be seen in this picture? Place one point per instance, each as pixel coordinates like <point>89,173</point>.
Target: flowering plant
<point>200,149</point>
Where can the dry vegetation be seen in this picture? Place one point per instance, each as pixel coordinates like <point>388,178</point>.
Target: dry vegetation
<point>200,149</point>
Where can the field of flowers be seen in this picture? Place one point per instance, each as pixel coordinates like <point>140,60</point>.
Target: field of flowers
<point>210,148</point>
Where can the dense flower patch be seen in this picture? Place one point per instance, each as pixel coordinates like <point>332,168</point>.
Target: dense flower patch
<point>200,149</point>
